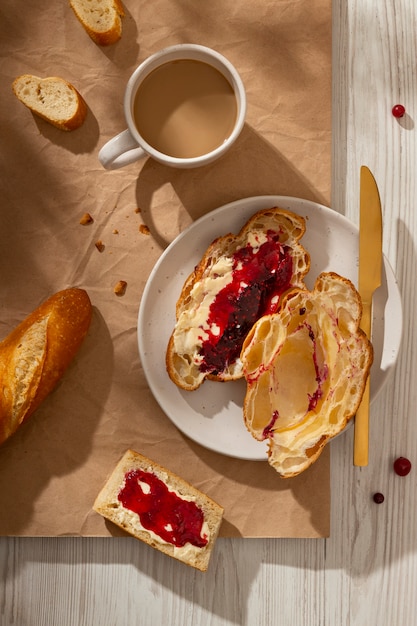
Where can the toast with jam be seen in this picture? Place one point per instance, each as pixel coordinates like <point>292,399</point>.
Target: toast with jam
<point>161,509</point>
<point>240,278</point>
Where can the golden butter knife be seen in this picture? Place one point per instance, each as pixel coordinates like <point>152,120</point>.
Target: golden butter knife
<point>370,268</point>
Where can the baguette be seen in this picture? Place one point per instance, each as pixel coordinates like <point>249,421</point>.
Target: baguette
<point>306,367</point>
<point>53,99</point>
<point>239,279</point>
<point>100,18</point>
<point>161,509</point>
<point>35,355</point>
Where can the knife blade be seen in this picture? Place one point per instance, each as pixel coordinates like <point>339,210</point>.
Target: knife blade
<point>369,279</point>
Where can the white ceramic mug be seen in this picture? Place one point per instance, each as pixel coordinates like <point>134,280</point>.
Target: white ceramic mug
<point>129,146</point>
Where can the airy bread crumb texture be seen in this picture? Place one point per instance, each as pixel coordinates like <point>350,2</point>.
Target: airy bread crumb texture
<point>306,367</point>
<point>109,506</point>
<point>53,99</point>
<point>100,18</point>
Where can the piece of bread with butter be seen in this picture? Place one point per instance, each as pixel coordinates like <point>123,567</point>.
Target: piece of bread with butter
<point>239,279</point>
<point>306,367</point>
<point>102,19</point>
<point>161,509</point>
<point>35,355</point>
<point>53,99</point>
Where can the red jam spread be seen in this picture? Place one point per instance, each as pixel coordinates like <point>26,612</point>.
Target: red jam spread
<point>161,511</point>
<point>268,431</point>
<point>260,277</point>
<point>321,375</point>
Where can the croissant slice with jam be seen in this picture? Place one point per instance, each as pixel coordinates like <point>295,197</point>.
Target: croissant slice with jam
<point>239,279</point>
<point>306,367</point>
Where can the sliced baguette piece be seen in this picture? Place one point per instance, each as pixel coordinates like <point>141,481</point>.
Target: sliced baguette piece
<point>35,355</point>
<point>53,99</point>
<point>306,367</point>
<point>239,279</point>
<point>100,18</point>
<point>188,520</point>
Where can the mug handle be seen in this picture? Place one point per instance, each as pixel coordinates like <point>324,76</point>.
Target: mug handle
<point>119,151</point>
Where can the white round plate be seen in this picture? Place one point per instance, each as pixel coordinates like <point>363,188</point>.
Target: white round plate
<point>212,415</point>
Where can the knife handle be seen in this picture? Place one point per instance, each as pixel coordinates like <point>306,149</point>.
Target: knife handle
<point>366,319</point>
<point>361,435</point>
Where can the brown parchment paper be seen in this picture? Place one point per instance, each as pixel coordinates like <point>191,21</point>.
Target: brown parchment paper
<point>53,468</point>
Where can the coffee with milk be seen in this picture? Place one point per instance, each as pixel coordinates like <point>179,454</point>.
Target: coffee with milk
<point>185,108</point>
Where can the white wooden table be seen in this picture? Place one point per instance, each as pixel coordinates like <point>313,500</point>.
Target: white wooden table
<point>365,574</point>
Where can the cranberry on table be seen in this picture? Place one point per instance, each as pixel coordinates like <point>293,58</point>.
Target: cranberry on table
<point>398,110</point>
<point>378,498</point>
<point>402,466</point>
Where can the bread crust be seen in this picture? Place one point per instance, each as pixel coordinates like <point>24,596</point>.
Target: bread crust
<point>106,35</point>
<point>181,365</point>
<point>35,355</point>
<point>40,106</point>
<point>108,505</point>
<point>306,367</point>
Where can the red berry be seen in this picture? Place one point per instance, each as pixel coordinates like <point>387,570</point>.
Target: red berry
<point>378,498</point>
<point>398,110</point>
<point>402,466</point>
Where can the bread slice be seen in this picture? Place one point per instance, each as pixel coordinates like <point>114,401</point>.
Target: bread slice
<point>306,367</point>
<point>35,355</point>
<point>53,99</point>
<point>239,279</point>
<point>100,18</point>
<point>161,509</point>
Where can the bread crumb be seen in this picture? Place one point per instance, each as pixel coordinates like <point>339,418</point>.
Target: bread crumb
<point>99,245</point>
<point>86,219</point>
<point>115,231</point>
<point>144,229</point>
<point>138,210</point>
<point>120,288</point>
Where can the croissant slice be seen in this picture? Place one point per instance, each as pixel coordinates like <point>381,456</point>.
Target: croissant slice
<point>306,367</point>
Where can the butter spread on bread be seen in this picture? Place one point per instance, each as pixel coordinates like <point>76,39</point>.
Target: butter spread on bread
<point>306,367</point>
<point>239,279</point>
<point>35,355</point>
<point>161,509</point>
<point>53,99</point>
<point>100,18</point>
